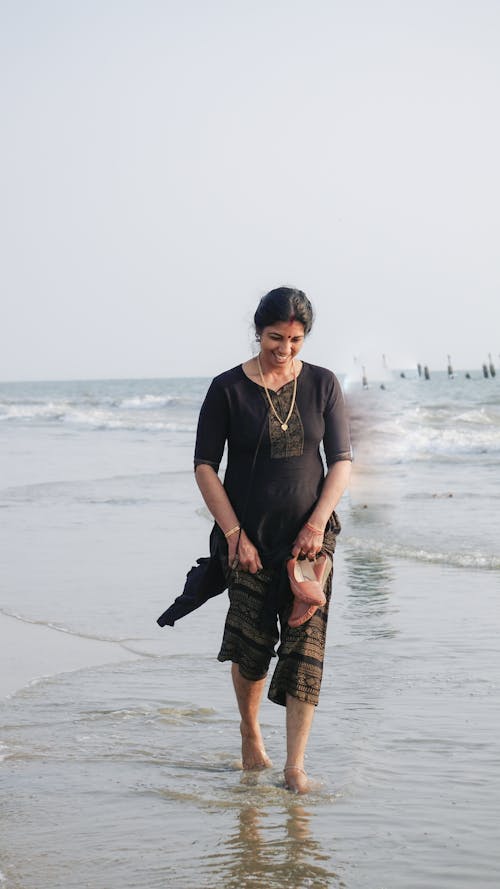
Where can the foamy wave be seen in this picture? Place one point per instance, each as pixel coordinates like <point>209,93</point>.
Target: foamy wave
<point>4,754</point>
<point>402,442</point>
<point>150,402</point>
<point>49,410</point>
<point>482,417</point>
<point>103,420</point>
<point>446,429</point>
<point>450,442</point>
<point>92,418</point>
<point>400,551</point>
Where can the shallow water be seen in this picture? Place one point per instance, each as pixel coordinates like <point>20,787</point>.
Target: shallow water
<point>127,775</point>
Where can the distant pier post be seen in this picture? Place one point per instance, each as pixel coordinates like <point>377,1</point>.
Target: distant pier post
<point>485,371</point>
<point>427,375</point>
<point>450,369</point>
<point>493,372</point>
<point>364,379</point>
<point>419,369</point>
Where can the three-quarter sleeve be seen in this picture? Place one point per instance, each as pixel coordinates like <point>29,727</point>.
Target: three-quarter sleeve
<point>336,440</point>
<point>213,427</point>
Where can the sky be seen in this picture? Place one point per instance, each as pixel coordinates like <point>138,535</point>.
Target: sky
<point>163,163</point>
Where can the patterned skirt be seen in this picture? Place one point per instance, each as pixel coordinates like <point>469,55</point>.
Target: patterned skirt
<point>250,637</point>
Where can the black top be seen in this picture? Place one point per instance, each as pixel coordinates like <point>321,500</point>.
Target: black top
<point>289,470</point>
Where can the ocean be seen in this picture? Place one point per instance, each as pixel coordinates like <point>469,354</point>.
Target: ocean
<point>126,774</point>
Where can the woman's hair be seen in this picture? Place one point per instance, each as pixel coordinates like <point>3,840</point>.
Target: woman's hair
<point>284,304</point>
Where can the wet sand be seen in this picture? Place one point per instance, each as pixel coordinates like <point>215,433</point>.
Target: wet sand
<point>29,652</point>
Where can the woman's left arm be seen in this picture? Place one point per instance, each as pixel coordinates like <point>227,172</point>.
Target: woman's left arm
<point>309,541</point>
<point>335,483</point>
<point>337,445</point>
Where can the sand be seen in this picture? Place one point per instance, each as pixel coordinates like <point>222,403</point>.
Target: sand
<point>29,652</point>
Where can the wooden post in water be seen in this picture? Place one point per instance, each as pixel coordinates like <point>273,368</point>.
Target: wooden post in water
<point>485,371</point>
<point>492,366</point>
<point>450,369</point>
<point>419,369</point>
<point>427,375</point>
<point>364,379</point>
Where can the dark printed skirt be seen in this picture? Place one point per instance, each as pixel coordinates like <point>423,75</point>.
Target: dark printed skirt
<point>250,638</point>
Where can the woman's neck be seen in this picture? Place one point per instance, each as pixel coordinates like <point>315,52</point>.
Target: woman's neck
<point>274,378</point>
<point>282,372</point>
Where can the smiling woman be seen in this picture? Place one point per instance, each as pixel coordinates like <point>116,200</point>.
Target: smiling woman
<point>275,506</point>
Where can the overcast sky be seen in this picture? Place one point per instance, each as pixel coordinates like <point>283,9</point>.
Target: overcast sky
<point>165,163</point>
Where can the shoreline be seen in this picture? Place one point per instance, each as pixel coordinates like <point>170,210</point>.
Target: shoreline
<point>31,652</point>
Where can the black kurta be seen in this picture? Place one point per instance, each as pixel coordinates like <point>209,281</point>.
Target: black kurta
<point>289,470</point>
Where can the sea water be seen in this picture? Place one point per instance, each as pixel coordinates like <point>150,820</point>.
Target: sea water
<point>127,775</point>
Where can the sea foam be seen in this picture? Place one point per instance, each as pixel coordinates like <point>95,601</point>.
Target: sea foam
<point>474,559</point>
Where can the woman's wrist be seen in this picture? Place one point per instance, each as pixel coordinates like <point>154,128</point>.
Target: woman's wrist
<point>314,528</point>
<point>318,520</point>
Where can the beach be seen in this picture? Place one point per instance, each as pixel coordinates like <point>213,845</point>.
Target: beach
<point>119,742</point>
<point>32,652</point>
<point>403,744</point>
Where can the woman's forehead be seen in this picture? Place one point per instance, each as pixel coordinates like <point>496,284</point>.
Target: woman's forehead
<point>286,328</point>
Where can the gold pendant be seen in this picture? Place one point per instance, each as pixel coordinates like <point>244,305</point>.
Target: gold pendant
<point>284,426</point>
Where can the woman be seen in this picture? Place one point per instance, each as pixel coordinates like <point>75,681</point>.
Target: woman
<point>275,506</point>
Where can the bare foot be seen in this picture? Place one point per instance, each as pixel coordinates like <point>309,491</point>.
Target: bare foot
<point>253,753</point>
<point>296,779</point>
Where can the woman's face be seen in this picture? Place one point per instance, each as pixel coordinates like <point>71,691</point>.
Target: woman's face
<point>280,342</point>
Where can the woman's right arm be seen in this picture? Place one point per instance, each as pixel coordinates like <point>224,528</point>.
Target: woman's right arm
<point>218,503</point>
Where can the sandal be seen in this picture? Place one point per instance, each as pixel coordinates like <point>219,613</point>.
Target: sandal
<point>301,613</point>
<point>307,580</point>
<point>304,583</point>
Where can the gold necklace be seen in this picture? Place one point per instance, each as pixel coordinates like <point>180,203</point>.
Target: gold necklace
<point>283,423</point>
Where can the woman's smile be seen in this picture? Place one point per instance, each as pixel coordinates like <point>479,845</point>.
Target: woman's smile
<point>280,343</point>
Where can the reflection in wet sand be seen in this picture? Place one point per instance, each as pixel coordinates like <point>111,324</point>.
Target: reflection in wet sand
<point>272,847</point>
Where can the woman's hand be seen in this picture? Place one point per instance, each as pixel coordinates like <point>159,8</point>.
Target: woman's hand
<point>214,495</point>
<point>308,542</point>
<point>245,555</point>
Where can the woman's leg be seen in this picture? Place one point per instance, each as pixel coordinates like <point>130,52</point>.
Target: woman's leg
<point>299,717</point>
<point>249,646</point>
<point>296,684</point>
<point>249,695</point>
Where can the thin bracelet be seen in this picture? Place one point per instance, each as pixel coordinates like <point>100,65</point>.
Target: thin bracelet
<point>228,534</point>
<point>312,528</point>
